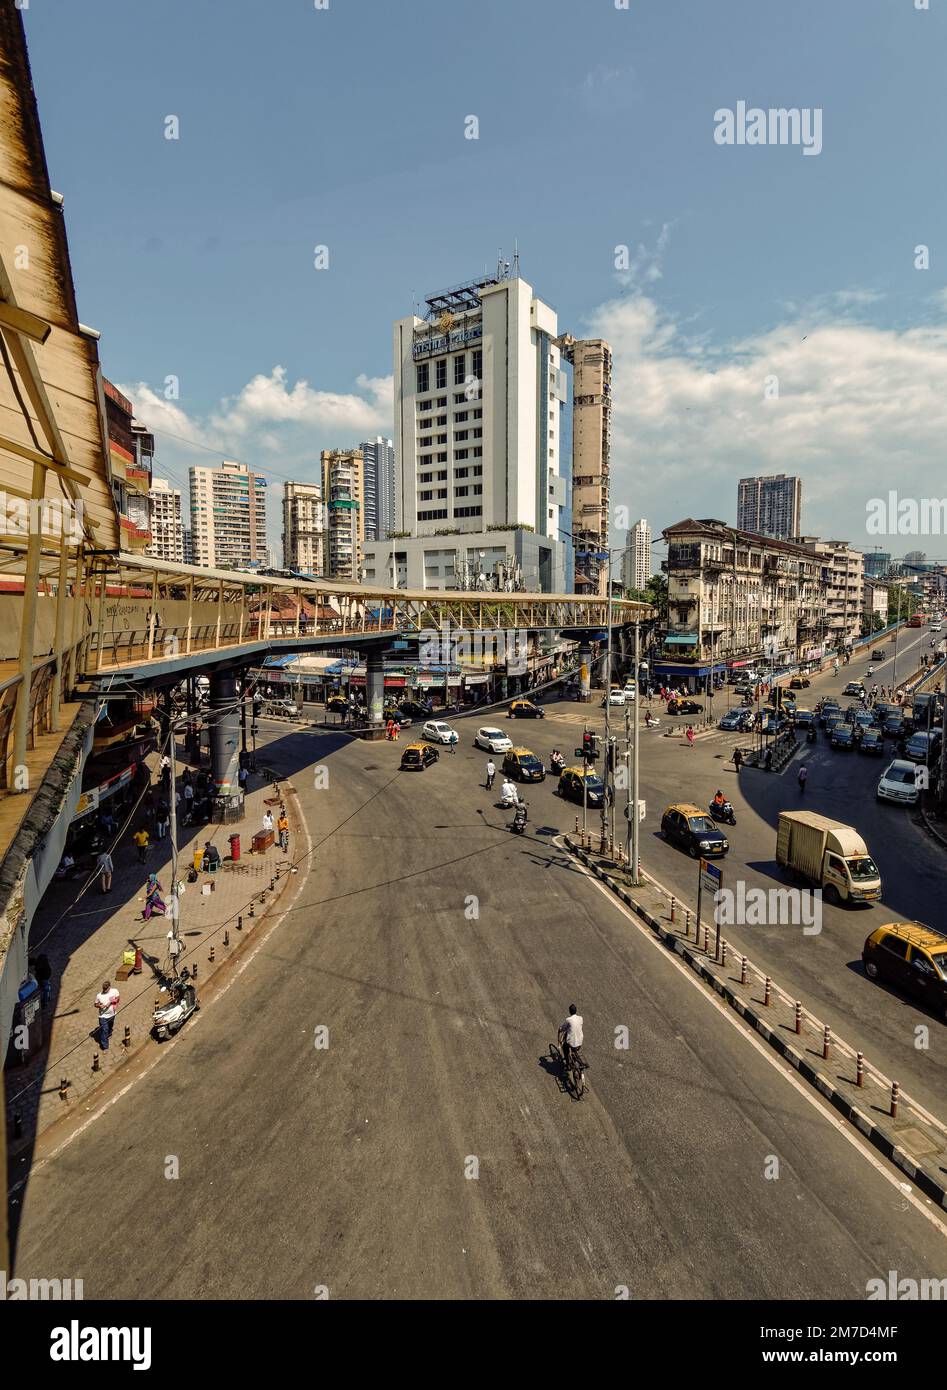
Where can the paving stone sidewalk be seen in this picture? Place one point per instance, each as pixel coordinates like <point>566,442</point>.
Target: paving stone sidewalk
<point>85,937</point>
<point>914,1139</point>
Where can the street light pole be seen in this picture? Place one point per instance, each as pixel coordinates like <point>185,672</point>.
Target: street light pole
<point>635,827</point>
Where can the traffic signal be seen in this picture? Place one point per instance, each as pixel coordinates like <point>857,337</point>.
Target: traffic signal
<point>587,747</point>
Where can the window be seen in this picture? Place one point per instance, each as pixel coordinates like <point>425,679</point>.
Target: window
<point>461,472</point>
<point>459,364</point>
<point>441,402</point>
<point>478,432</point>
<point>426,478</point>
<point>441,439</point>
<point>441,420</point>
<point>459,400</point>
<point>441,475</point>
<point>425,405</point>
<point>442,458</point>
<point>478,470</point>
<point>478,489</point>
<point>460,416</point>
<point>478,363</point>
<point>441,370</point>
<point>896,946</point>
<point>478,414</point>
<point>461,453</point>
<point>460,434</point>
<point>426,496</point>
<point>422,377</point>
<point>478,451</point>
<point>461,491</point>
<point>468,511</point>
<point>440,515</point>
<point>442,492</point>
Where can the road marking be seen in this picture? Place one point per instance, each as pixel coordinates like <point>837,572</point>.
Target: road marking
<point>842,1126</point>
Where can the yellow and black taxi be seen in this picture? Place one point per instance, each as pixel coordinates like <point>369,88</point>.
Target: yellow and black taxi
<point>799,683</point>
<point>522,765</point>
<point>692,829</point>
<point>911,957</point>
<point>582,785</point>
<point>418,756</point>
<point>525,709</point>
<point>337,704</point>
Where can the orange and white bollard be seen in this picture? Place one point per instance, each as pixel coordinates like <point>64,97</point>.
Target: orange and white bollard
<point>674,909</point>
<point>743,970</point>
<point>895,1097</point>
<point>826,1041</point>
<point>798,1016</point>
<point>687,921</point>
<point>723,952</point>
<point>767,992</point>
<point>859,1069</point>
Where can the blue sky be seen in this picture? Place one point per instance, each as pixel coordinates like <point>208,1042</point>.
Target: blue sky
<point>345,127</point>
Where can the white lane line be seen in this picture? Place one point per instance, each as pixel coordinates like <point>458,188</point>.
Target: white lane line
<point>172,1042</point>
<point>842,1126</point>
<point>884,1081</point>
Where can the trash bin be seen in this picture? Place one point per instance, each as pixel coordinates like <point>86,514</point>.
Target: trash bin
<point>235,847</point>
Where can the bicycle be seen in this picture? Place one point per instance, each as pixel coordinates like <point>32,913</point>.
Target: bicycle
<point>573,1075</point>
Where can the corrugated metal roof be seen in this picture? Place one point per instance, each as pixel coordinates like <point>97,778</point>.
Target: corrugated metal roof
<point>38,279</point>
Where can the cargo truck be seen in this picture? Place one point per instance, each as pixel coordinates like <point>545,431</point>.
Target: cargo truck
<point>832,856</point>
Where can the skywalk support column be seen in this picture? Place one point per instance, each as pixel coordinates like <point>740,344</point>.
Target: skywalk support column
<point>375,690</point>
<point>585,671</point>
<point>224,746</point>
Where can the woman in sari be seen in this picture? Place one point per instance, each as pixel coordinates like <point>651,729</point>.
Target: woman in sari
<point>153,899</point>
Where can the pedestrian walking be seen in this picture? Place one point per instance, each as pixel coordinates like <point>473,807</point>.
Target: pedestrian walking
<point>389,729</point>
<point>106,1002</point>
<point>282,826</point>
<point>141,838</point>
<point>690,736</point>
<point>803,775</point>
<point>43,972</point>
<point>737,760</point>
<point>267,820</point>
<point>162,821</point>
<point>243,778</point>
<point>106,868</point>
<point>491,772</point>
<point>153,899</point>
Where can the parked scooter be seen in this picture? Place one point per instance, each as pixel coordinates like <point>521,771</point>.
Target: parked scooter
<point>168,1018</point>
<point>723,813</point>
<point>518,824</point>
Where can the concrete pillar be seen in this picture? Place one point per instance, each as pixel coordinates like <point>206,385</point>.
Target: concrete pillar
<point>224,745</point>
<point>375,687</point>
<point>585,672</point>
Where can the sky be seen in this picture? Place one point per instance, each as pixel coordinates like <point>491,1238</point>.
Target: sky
<point>770,311</point>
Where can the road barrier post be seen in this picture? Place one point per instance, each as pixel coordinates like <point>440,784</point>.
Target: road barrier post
<point>687,922</point>
<point>95,1061</point>
<point>859,1069</point>
<point>767,992</point>
<point>211,956</point>
<point>674,909</point>
<point>127,1038</point>
<point>743,970</point>
<point>723,952</point>
<point>895,1097</point>
<point>798,1016</point>
<point>826,1040</point>
<point>226,938</point>
<point>63,1093</point>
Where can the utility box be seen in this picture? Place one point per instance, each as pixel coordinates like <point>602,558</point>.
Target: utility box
<point>262,841</point>
<point>26,1035</point>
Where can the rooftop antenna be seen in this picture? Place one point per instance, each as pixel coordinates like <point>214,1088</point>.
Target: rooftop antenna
<point>516,259</point>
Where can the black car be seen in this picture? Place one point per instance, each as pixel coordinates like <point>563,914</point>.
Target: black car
<point>828,712</point>
<point>893,727</point>
<point>685,707</point>
<point>878,655</point>
<point>843,737</point>
<point>570,788</point>
<point>871,741</point>
<point>526,709</point>
<point>693,830</point>
<point>418,756</point>
<point>804,718</point>
<point>416,709</point>
<point>337,704</point>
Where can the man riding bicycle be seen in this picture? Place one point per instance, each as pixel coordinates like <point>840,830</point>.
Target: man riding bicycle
<point>570,1036</point>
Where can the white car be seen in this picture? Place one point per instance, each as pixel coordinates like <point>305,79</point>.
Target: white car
<point>493,740</point>
<point>899,783</point>
<point>631,692</point>
<point>437,732</point>
<point>616,697</point>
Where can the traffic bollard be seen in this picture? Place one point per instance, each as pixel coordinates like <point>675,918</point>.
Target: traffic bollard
<point>239,924</point>
<point>194,971</point>
<point>798,1016</point>
<point>687,921</point>
<point>674,909</point>
<point>64,1085</point>
<point>127,1038</point>
<point>95,1061</point>
<point>252,912</point>
<point>767,991</point>
<point>723,951</point>
<point>895,1096</point>
<point>226,938</point>
<point>272,884</point>
<point>859,1069</point>
<point>211,956</point>
<point>743,970</point>
<point>826,1040</point>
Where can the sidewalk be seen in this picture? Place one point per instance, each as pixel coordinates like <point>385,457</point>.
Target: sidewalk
<point>914,1139</point>
<point>85,947</point>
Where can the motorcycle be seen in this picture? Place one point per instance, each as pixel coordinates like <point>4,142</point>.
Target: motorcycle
<point>518,824</point>
<point>723,813</point>
<point>168,1018</point>
<point>556,764</point>
<point>507,803</point>
<point>811,734</point>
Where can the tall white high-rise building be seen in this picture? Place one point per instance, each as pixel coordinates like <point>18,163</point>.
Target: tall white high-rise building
<point>636,562</point>
<point>303,528</point>
<point>378,485</point>
<point>228,517</point>
<point>479,478</point>
<point>167,522</point>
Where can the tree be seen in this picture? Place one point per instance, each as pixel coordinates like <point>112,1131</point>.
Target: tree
<point>655,593</point>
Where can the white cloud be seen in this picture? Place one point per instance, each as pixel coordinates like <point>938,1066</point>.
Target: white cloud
<point>860,409</point>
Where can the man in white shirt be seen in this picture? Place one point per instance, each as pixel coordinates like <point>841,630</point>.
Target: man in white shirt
<point>509,793</point>
<point>267,820</point>
<point>106,869</point>
<point>106,1002</point>
<point>491,773</point>
<point>570,1034</point>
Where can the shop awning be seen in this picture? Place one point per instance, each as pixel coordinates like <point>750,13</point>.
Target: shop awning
<point>683,639</point>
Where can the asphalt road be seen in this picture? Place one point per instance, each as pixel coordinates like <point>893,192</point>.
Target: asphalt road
<point>429,1151</point>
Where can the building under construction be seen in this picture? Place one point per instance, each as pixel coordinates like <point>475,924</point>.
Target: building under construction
<point>591,360</point>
